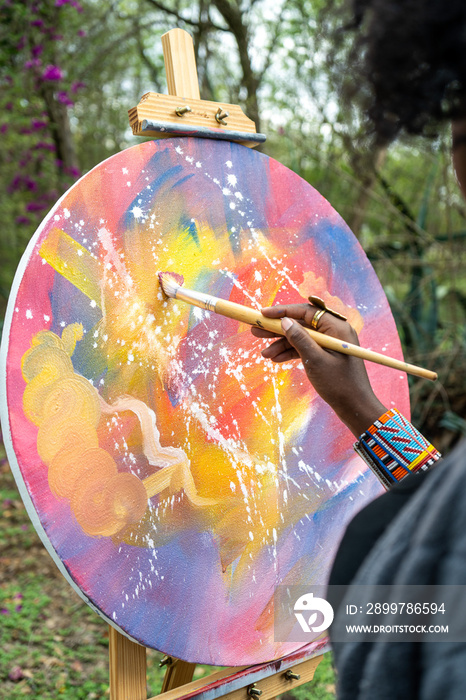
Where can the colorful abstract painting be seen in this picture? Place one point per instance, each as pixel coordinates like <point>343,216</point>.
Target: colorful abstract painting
<point>175,475</point>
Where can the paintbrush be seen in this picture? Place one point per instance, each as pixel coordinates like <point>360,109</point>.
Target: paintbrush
<point>172,286</point>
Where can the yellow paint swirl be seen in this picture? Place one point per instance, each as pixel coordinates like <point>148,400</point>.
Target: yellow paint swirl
<point>66,408</point>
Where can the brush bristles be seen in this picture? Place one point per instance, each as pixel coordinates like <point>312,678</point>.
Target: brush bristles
<point>170,282</point>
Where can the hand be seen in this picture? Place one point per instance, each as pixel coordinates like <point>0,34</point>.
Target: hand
<point>341,380</point>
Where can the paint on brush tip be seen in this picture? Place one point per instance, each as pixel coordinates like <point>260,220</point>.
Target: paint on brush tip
<point>170,278</point>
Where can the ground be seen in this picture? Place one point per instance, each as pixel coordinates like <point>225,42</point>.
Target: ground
<point>52,644</point>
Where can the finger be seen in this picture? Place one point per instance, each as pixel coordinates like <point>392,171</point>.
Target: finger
<point>261,333</point>
<point>299,339</point>
<point>300,312</point>
<point>304,313</point>
<point>285,356</point>
<point>276,348</point>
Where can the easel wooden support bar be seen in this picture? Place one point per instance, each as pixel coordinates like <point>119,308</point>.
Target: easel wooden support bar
<point>128,675</point>
<point>127,668</point>
<point>217,685</point>
<point>178,674</point>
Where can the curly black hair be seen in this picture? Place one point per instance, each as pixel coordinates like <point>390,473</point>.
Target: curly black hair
<point>412,53</point>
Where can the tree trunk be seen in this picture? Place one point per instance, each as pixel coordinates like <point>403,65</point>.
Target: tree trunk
<point>60,131</point>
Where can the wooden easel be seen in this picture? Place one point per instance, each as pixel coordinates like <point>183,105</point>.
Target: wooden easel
<point>182,112</point>
<point>128,675</point>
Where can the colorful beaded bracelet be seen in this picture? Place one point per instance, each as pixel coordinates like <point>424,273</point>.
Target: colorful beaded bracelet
<point>393,448</point>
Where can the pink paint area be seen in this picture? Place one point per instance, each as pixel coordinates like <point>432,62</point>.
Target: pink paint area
<point>177,475</point>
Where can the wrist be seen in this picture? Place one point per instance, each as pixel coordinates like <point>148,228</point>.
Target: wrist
<point>393,448</point>
<point>358,417</point>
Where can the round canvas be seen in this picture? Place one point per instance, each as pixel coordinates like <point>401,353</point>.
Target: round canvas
<point>175,475</point>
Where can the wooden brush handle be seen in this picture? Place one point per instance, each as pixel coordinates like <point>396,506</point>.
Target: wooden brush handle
<point>255,318</point>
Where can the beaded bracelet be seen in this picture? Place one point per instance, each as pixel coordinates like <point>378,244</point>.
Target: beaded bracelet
<point>393,448</point>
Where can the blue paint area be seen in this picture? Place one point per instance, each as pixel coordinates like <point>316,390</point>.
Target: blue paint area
<point>189,226</point>
<point>165,177</point>
<point>181,182</point>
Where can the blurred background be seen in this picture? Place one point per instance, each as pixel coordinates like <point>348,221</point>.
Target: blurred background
<point>69,72</point>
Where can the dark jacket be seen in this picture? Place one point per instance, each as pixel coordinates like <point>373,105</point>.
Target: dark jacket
<point>413,534</point>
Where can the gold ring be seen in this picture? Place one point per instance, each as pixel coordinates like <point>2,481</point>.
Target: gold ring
<point>317,316</point>
<point>320,303</point>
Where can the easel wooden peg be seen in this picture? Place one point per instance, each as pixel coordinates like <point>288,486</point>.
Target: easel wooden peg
<point>180,64</point>
<point>182,112</point>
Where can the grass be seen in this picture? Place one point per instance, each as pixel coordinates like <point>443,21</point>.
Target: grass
<point>52,645</point>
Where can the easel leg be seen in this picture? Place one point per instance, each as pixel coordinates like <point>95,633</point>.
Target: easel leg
<point>127,668</point>
<point>178,673</point>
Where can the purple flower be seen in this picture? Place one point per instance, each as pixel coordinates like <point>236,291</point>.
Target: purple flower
<point>30,184</point>
<point>37,50</point>
<point>35,206</point>
<point>74,172</point>
<point>82,32</point>
<point>21,43</point>
<point>38,125</point>
<point>16,674</point>
<point>43,145</point>
<point>73,3</point>
<point>3,128</point>
<point>24,161</point>
<point>33,63</point>
<point>52,73</point>
<point>15,184</point>
<point>18,608</point>
<point>18,596</point>
<point>7,502</point>
<point>9,106</point>
<point>56,37</point>
<point>25,221</point>
<point>77,86</point>
<point>64,99</point>
<point>37,23</point>
<point>22,220</point>
<point>4,611</point>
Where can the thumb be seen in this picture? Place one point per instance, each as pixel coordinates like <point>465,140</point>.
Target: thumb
<point>296,335</point>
